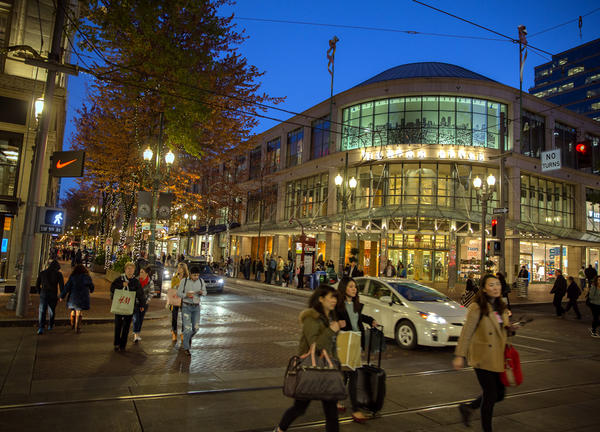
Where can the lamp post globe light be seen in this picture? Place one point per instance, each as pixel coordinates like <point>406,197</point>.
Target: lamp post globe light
<point>485,192</point>
<point>344,195</point>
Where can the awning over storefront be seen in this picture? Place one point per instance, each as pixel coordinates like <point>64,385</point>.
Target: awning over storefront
<point>556,232</point>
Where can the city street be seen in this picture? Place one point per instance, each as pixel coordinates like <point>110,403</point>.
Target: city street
<point>69,381</point>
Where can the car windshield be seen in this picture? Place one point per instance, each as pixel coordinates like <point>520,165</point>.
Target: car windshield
<point>204,268</point>
<point>414,292</point>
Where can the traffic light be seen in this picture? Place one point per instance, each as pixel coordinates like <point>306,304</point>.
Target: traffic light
<point>494,225</point>
<point>583,151</point>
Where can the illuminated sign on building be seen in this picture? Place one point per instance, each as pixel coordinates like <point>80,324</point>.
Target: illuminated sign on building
<point>424,153</point>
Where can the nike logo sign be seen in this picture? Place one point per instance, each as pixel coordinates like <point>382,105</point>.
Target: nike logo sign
<point>60,165</point>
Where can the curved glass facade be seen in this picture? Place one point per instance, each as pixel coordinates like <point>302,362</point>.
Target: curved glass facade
<point>447,120</point>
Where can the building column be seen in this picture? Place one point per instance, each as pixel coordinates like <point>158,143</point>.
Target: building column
<point>576,259</point>
<point>333,247</point>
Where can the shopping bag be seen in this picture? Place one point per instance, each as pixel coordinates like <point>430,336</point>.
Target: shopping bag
<point>348,349</point>
<point>512,375</point>
<point>172,298</point>
<point>467,298</point>
<point>123,302</point>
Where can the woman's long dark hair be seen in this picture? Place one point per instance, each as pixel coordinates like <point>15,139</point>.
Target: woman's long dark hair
<point>342,294</point>
<point>79,269</point>
<point>321,291</point>
<point>482,300</point>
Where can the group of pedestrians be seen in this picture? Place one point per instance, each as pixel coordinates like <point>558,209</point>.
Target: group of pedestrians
<point>589,281</point>
<point>51,287</point>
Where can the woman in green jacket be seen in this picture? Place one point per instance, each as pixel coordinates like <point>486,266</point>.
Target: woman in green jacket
<point>319,326</point>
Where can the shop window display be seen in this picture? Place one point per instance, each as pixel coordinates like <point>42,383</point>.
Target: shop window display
<point>542,260</point>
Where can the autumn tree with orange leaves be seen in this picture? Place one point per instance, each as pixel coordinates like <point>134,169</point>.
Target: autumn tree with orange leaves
<point>178,58</point>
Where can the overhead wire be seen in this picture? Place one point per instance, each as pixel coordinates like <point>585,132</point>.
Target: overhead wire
<point>563,24</point>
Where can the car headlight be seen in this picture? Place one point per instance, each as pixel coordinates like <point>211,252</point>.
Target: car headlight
<point>220,281</point>
<point>166,273</point>
<point>431,317</point>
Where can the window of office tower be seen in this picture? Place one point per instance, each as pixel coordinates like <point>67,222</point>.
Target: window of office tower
<point>306,197</point>
<point>533,137</point>
<point>295,139</point>
<point>255,159</point>
<point>319,138</point>
<point>448,120</point>
<point>546,202</point>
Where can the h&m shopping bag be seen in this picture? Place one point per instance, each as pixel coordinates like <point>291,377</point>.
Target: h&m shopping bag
<point>123,302</point>
<point>348,349</point>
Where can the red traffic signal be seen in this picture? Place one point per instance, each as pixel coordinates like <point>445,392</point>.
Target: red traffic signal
<point>494,225</point>
<point>583,152</point>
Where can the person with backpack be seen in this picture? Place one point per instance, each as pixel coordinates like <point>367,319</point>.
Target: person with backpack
<point>482,342</point>
<point>272,269</point>
<point>349,314</point>
<point>182,272</point>
<point>573,293</point>
<point>140,309</point>
<point>559,290</point>
<point>128,282</point>
<point>190,290</point>
<point>319,326</point>
<point>48,284</point>
<point>78,288</point>
<point>593,301</point>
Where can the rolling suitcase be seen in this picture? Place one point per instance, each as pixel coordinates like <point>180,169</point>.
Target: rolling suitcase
<point>370,380</point>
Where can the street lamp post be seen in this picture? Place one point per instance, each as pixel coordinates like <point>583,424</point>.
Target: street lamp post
<point>344,195</point>
<point>169,159</point>
<point>484,192</point>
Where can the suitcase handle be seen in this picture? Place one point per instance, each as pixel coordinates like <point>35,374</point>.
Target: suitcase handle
<point>380,345</point>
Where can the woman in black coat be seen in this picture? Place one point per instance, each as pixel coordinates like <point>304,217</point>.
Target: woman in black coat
<point>349,312</point>
<point>559,290</point>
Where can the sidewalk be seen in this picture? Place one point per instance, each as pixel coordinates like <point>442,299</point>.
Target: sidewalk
<point>99,309</point>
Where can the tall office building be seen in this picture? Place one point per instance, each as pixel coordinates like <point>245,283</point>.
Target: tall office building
<point>572,79</point>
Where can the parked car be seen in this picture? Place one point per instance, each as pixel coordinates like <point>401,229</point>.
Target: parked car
<point>412,313</point>
<point>213,281</point>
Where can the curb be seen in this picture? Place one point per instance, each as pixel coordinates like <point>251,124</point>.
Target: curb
<point>271,288</point>
<point>30,322</point>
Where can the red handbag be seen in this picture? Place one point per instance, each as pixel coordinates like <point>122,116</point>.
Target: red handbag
<point>512,375</point>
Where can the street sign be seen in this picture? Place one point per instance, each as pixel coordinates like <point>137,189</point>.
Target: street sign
<point>50,220</point>
<point>502,210</point>
<point>551,160</point>
<point>67,164</point>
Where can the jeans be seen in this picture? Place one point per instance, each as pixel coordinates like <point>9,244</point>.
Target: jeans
<point>174,314</point>
<point>47,303</point>
<point>258,275</point>
<point>279,276</point>
<point>122,323</point>
<point>573,304</point>
<point>299,408</point>
<point>190,315</point>
<point>493,391</point>
<point>138,319</point>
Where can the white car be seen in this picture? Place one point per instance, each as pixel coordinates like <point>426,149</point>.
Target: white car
<point>411,313</point>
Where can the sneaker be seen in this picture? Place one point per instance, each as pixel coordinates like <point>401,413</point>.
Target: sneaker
<point>40,331</point>
<point>116,348</point>
<point>595,334</point>
<point>188,353</point>
<point>465,413</point>
<point>50,327</point>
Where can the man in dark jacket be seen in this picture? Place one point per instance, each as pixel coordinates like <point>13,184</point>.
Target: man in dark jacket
<point>573,293</point>
<point>128,282</point>
<point>48,284</point>
<point>559,290</point>
<point>590,274</point>
<point>140,263</point>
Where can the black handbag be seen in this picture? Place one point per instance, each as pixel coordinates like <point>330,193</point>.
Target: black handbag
<point>312,377</point>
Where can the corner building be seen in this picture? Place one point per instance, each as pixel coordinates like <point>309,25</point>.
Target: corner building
<point>416,136</point>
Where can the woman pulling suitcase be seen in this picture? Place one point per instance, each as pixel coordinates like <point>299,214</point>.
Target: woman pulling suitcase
<point>349,312</point>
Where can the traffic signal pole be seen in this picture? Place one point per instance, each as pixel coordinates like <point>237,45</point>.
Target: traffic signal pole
<point>28,254</point>
<point>503,189</point>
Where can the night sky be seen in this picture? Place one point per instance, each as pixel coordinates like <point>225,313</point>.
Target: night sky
<point>293,55</point>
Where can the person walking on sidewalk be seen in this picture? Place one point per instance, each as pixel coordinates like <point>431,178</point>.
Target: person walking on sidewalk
<point>590,274</point>
<point>582,278</point>
<point>190,290</point>
<point>182,272</point>
<point>559,290</point>
<point>78,288</point>
<point>48,283</point>
<point>319,326</point>
<point>573,293</point>
<point>128,282</point>
<point>280,267</point>
<point>260,268</point>
<point>482,342</point>
<point>594,303</point>
<point>141,308</point>
<point>350,316</point>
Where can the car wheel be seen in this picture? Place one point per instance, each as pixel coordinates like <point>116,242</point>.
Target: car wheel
<point>406,335</point>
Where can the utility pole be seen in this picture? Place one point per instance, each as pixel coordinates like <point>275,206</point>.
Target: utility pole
<point>27,254</point>
<point>503,189</point>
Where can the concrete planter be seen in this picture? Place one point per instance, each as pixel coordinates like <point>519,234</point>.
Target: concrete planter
<point>98,268</point>
<point>111,275</point>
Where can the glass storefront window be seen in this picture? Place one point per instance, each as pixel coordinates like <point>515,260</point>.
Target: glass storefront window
<point>542,260</point>
<point>424,256</point>
<point>592,209</point>
<point>10,152</point>
<point>423,119</point>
